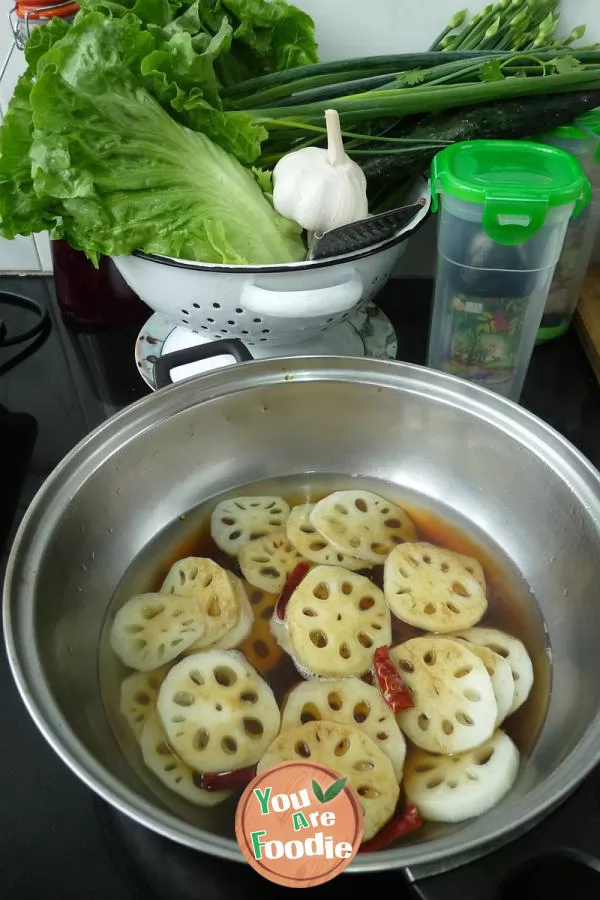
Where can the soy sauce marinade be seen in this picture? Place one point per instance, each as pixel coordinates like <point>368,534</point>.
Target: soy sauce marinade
<point>510,608</point>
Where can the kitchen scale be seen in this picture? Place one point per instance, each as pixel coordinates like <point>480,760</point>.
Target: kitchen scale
<point>366,332</point>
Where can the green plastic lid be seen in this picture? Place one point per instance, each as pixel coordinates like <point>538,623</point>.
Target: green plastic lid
<point>591,121</point>
<point>511,180</point>
<point>569,133</point>
<point>583,142</point>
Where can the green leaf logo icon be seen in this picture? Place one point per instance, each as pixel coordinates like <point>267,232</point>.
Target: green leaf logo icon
<point>318,792</point>
<point>334,789</point>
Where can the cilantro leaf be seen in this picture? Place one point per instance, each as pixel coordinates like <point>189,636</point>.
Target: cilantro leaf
<point>565,64</point>
<point>414,76</point>
<point>492,71</point>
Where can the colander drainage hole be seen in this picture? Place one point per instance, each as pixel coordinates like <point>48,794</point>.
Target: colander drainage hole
<point>230,322</point>
<point>210,320</point>
<point>196,305</point>
<point>185,312</point>
<point>216,306</point>
<point>257,320</point>
<point>239,310</point>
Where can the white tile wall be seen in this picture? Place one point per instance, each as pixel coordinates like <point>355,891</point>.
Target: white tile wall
<point>344,28</point>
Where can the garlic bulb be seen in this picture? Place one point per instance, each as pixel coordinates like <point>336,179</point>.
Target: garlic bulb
<point>321,189</point>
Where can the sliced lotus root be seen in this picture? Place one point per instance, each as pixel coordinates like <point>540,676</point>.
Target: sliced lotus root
<point>240,631</point>
<point>362,524</point>
<point>280,632</point>
<point>152,629</point>
<point>217,712</point>
<point>336,620</point>
<point>353,755</point>
<point>243,626</point>
<point>239,520</point>
<point>267,562</point>
<point>138,697</point>
<point>351,702</point>
<point>473,567</point>
<point>514,652</point>
<point>163,763</point>
<point>312,545</point>
<point>259,648</point>
<point>212,589</point>
<point>501,676</point>
<point>432,589</point>
<point>455,708</point>
<point>455,788</point>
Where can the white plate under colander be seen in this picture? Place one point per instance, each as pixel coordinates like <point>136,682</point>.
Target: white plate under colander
<point>368,332</point>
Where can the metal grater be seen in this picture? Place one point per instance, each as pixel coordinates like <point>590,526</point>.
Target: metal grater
<point>364,233</point>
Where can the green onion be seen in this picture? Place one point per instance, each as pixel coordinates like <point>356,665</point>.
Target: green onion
<point>408,101</point>
<point>367,65</point>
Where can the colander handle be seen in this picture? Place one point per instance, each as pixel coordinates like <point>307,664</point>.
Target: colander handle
<point>227,347</point>
<point>325,301</point>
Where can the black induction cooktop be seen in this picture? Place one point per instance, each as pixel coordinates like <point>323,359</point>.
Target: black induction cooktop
<point>58,841</point>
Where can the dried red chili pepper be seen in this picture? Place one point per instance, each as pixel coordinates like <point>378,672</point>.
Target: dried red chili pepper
<point>293,580</point>
<point>404,823</point>
<point>392,688</point>
<point>227,781</point>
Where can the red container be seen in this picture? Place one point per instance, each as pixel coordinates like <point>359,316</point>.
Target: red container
<point>28,14</point>
<point>88,296</point>
<point>44,9</point>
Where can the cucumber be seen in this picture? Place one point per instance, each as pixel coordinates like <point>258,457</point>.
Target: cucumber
<point>505,119</point>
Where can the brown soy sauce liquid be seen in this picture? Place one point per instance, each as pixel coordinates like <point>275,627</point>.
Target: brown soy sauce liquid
<point>511,608</point>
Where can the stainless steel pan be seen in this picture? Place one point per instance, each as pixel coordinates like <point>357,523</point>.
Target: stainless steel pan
<point>460,449</point>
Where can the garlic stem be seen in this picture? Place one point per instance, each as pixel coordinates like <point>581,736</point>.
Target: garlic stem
<point>335,145</point>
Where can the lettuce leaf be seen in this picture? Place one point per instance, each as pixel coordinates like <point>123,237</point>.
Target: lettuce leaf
<point>268,35</point>
<point>154,12</point>
<point>123,175</point>
<point>22,211</point>
<point>178,67</point>
<point>182,78</point>
<point>280,35</point>
<point>75,153</point>
<point>198,46</point>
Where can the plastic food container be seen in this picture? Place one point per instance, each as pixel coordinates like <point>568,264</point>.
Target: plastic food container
<point>505,207</point>
<point>590,122</point>
<point>574,260</point>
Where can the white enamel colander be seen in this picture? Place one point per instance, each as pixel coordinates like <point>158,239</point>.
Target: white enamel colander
<point>278,305</point>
